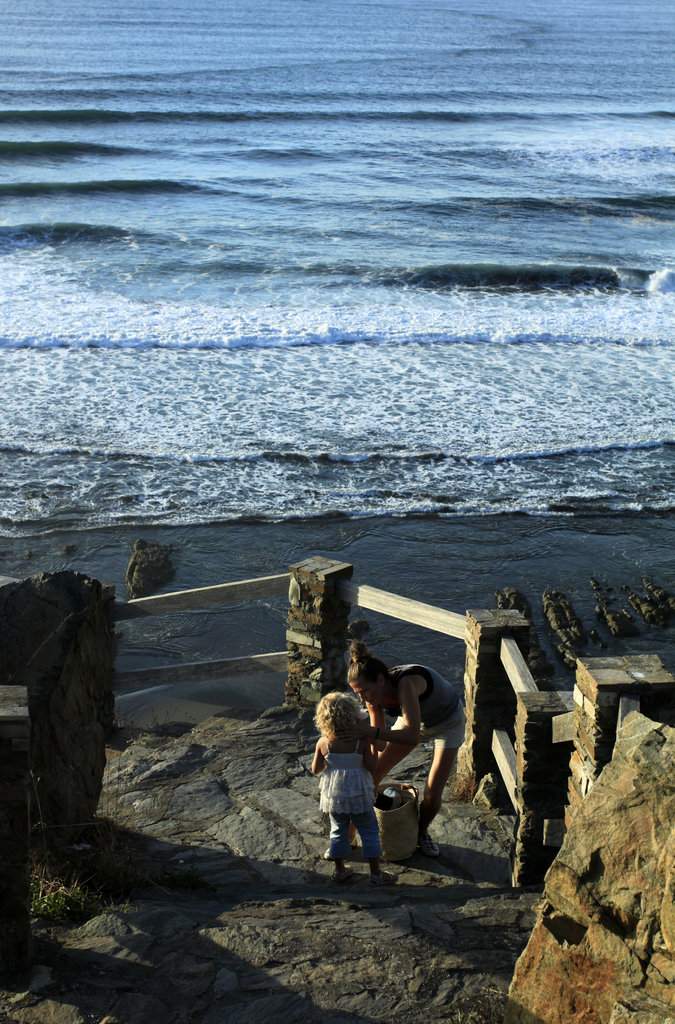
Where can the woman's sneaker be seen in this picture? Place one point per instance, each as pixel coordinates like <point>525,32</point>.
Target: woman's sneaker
<point>427,846</point>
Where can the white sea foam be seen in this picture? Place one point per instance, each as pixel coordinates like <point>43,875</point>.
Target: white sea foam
<point>46,310</point>
<point>662,281</point>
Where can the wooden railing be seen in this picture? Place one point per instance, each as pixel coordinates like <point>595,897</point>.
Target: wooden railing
<point>193,600</point>
<point>204,597</point>
<point>393,605</point>
<point>415,612</point>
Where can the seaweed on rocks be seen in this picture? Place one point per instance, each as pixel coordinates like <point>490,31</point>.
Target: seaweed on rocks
<point>656,606</point>
<point>620,623</point>
<point>565,624</point>
<point>659,594</point>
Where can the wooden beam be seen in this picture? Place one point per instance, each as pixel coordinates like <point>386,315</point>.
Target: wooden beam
<point>191,672</point>
<point>204,597</point>
<point>505,756</point>
<point>403,608</point>
<point>562,727</point>
<point>519,674</point>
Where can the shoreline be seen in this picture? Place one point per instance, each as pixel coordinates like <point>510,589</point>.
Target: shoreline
<point>456,563</point>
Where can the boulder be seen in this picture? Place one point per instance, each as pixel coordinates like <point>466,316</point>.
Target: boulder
<point>149,568</point>
<point>605,932</point>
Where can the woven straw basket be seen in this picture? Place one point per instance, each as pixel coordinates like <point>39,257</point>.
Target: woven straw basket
<point>398,827</point>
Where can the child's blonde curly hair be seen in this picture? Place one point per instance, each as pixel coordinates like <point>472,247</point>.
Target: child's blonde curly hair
<point>335,712</point>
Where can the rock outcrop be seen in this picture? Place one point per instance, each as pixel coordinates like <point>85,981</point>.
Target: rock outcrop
<point>56,641</point>
<point>565,624</point>
<point>618,621</point>
<point>604,942</point>
<point>149,568</point>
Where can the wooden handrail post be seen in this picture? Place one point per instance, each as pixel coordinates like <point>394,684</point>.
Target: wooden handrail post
<point>490,700</point>
<point>316,638</point>
<point>15,932</point>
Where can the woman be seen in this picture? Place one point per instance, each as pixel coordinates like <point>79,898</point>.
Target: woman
<point>428,708</point>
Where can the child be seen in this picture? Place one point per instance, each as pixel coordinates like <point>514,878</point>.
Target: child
<point>346,786</point>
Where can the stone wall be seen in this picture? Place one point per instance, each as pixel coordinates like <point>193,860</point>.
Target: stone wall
<point>316,638</point>
<point>603,948</point>
<point>600,685</point>
<point>15,934</point>
<point>56,706</point>
<point>57,642</point>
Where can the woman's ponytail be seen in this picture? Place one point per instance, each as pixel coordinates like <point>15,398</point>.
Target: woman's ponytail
<point>363,664</point>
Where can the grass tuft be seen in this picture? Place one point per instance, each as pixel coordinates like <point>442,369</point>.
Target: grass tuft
<point>80,881</point>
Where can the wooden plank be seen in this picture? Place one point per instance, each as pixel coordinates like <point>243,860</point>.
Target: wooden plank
<point>626,705</point>
<point>204,597</point>
<point>554,831</point>
<point>130,682</point>
<point>563,728</point>
<point>397,607</point>
<point>519,674</point>
<point>505,756</point>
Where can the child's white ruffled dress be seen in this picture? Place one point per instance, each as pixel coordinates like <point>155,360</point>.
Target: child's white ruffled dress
<point>345,787</point>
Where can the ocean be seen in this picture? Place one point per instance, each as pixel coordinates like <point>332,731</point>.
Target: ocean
<point>270,261</point>
<point>391,281</point>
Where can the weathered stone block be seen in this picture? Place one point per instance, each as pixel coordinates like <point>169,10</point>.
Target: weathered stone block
<point>598,936</point>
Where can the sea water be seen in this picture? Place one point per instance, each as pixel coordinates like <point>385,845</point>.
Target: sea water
<point>306,258</point>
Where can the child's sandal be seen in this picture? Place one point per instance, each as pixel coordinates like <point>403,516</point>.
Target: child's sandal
<point>342,876</point>
<point>384,878</point>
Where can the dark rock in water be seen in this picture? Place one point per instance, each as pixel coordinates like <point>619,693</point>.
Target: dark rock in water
<point>651,611</point>
<point>562,618</point>
<point>538,664</point>
<point>357,628</point>
<point>512,598</point>
<point>619,623</point>
<point>150,567</point>
<point>659,594</point>
<point>565,624</point>
<point>596,638</point>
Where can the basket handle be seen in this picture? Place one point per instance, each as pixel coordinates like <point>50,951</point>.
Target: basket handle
<point>413,789</point>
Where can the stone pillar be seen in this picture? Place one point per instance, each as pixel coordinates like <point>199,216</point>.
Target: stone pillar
<point>600,683</point>
<point>15,934</point>
<point>542,771</point>
<point>316,638</point>
<point>490,700</point>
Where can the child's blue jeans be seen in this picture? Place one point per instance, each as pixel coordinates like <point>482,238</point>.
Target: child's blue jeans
<point>367,827</point>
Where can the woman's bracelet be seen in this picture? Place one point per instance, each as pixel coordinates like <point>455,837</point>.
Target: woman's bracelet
<point>377,733</point>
